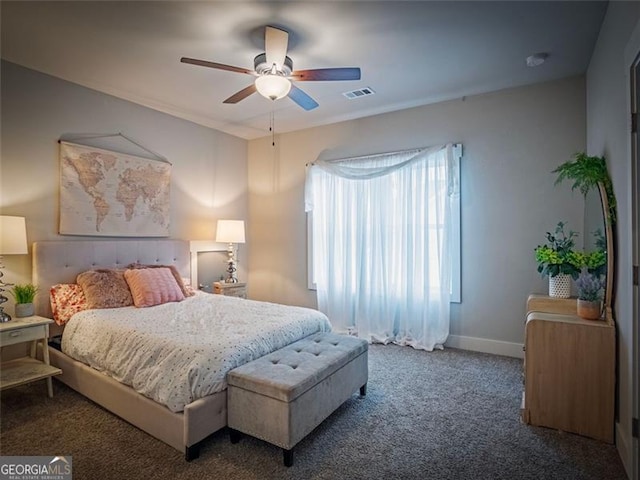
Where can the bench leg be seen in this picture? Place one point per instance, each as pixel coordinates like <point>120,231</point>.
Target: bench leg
<point>288,457</point>
<point>234,435</point>
<point>192,452</point>
<point>363,390</point>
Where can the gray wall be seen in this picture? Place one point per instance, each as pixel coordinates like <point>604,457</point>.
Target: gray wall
<point>209,167</point>
<point>608,134</point>
<point>512,140</point>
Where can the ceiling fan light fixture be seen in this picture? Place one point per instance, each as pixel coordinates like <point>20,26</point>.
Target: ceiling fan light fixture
<point>273,86</point>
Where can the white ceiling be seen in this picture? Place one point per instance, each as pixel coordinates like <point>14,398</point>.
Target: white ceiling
<point>411,53</point>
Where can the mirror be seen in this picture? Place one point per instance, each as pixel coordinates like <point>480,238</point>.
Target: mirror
<point>594,228</point>
<point>589,175</point>
<point>598,235</point>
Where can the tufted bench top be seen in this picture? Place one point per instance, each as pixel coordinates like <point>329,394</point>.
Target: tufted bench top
<point>289,372</point>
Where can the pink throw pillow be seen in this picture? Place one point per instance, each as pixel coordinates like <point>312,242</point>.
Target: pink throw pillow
<point>66,300</point>
<point>153,286</point>
<point>187,292</point>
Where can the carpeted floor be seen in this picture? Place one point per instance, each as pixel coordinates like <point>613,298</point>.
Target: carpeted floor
<point>444,415</point>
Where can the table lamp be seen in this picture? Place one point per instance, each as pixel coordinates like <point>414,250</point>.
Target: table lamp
<point>13,241</point>
<point>231,232</point>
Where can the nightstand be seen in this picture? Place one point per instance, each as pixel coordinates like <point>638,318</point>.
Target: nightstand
<point>27,369</point>
<point>230,289</point>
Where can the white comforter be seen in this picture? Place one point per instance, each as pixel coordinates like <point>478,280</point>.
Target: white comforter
<point>178,352</point>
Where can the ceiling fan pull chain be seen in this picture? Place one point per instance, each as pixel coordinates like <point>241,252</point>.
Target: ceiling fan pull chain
<point>272,128</point>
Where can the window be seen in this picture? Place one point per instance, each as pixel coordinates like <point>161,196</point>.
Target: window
<point>455,250</point>
<point>385,243</point>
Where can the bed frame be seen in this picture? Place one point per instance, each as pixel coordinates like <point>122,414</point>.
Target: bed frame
<point>60,262</point>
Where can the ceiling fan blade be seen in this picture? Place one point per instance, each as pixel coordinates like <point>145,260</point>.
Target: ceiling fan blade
<point>275,46</point>
<point>301,98</point>
<point>242,94</point>
<point>346,73</point>
<point>219,66</point>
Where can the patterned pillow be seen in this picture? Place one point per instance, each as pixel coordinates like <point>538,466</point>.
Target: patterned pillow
<point>66,300</point>
<point>184,286</point>
<point>153,286</point>
<point>105,288</point>
<point>189,290</point>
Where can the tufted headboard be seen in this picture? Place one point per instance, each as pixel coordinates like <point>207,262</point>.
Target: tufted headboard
<point>60,262</point>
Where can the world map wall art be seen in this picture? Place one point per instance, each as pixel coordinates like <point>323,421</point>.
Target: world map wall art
<point>105,193</point>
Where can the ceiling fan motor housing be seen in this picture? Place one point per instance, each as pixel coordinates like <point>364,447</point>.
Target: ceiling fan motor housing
<point>262,67</point>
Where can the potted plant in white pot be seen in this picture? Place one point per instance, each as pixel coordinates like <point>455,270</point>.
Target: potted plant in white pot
<point>590,291</point>
<point>24,296</point>
<point>559,261</point>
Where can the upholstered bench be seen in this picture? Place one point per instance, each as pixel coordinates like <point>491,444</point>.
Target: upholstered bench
<point>283,396</point>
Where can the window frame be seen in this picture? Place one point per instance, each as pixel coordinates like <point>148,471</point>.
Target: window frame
<point>456,240</point>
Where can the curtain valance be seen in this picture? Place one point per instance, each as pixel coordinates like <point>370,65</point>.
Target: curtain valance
<point>378,165</point>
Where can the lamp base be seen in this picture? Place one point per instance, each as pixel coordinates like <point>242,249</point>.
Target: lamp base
<point>4,316</point>
<point>231,266</point>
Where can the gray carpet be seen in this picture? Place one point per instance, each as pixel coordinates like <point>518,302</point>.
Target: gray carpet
<point>444,415</point>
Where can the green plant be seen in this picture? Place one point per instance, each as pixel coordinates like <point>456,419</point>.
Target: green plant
<point>24,293</point>
<point>558,255</point>
<point>596,262</point>
<point>586,172</point>
<point>600,240</point>
<point>590,287</point>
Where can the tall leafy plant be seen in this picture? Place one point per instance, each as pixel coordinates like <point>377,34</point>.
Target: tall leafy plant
<point>586,172</point>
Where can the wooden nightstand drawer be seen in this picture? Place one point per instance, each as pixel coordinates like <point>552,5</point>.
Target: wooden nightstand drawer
<point>19,335</point>
<point>547,304</point>
<point>230,289</point>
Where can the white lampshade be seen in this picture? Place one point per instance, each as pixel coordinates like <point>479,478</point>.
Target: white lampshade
<point>273,86</point>
<point>230,231</point>
<point>13,235</point>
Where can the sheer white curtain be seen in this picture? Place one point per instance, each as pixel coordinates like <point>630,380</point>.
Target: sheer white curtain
<point>380,233</point>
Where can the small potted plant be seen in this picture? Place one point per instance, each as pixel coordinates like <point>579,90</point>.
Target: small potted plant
<point>24,295</point>
<point>559,261</point>
<point>590,290</point>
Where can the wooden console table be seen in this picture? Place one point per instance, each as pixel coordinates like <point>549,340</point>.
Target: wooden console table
<point>569,371</point>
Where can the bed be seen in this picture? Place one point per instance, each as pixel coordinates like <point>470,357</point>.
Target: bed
<point>188,422</point>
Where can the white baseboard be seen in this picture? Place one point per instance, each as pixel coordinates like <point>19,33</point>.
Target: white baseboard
<point>624,449</point>
<point>484,345</point>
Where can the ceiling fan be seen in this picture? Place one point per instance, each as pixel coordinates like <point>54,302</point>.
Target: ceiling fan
<point>274,72</point>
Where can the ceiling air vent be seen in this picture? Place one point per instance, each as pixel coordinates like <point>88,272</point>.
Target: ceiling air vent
<point>361,92</point>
